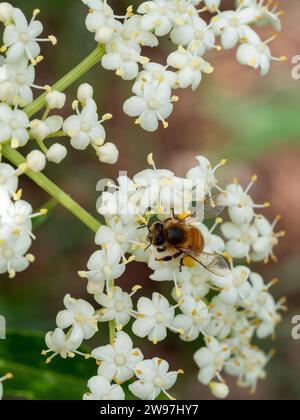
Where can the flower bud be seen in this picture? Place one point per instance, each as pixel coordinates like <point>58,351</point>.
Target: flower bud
<point>56,153</point>
<point>6,11</point>
<point>108,153</point>
<point>55,99</point>
<point>104,34</point>
<point>39,129</point>
<point>36,161</point>
<point>85,92</point>
<point>7,91</point>
<point>219,390</point>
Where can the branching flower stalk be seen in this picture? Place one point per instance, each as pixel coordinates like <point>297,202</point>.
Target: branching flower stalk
<point>219,301</point>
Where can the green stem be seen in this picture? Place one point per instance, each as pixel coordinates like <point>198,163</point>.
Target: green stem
<point>90,61</point>
<point>112,324</point>
<point>47,185</point>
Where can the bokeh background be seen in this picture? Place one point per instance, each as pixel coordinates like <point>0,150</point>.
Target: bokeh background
<point>252,121</point>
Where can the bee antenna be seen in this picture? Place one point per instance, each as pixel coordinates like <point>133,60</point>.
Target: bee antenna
<point>143,227</point>
<point>148,246</point>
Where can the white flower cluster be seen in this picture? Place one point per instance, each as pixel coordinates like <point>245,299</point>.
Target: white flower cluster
<point>15,224</point>
<point>180,20</point>
<point>226,311</point>
<point>21,45</point>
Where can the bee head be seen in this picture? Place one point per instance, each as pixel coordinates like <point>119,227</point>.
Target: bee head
<point>156,235</point>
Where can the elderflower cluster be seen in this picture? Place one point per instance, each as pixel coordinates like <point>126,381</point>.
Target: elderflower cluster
<point>222,312</point>
<point>15,224</point>
<point>21,46</point>
<point>181,20</point>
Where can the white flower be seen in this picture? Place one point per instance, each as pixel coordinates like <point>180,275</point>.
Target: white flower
<point>116,234</point>
<point>264,244</point>
<point>18,215</point>
<point>22,38</point>
<point>262,306</point>
<point>211,360</point>
<point>206,172</point>
<point>195,35</point>
<point>194,318</point>
<point>117,305</point>
<point>12,259</point>
<point>101,389</point>
<point>223,318</point>
<point>13,126</point>
<point>101,21</point>
<point>62,344</point>
<point>154,318</point>
<point>190,67</point>
<point>152,105</point>
<point>154,73</point>
<point>194,281</point>
<point>131,30</point>
<point>267,12</point>
<point>235,286</point>
<point>153,378</point>
<point>8,179</point>
<point>123,57</point>
<point>231,25</point>
<point>80,313</point>
<point>239,202</point>
<point>85,127</point>
<point>103,266</point>
<point>56,153</point>
<point>240,239</point>
<point>248,366</point>
<point>118,361</point>
<point>19,77</point>
<point>157,17</point>
<point>256,53</point>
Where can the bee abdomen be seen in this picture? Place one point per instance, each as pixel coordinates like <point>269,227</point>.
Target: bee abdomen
<point>195,240</point>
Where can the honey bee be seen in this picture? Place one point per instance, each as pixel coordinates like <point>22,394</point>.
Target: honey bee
<point>181,238</point>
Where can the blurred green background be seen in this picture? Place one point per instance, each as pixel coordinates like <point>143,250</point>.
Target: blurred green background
<point>252,121</point>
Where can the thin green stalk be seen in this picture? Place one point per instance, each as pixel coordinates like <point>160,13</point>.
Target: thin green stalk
<point>111,324</point>
<point>53,190</point>
<point>90,61</point>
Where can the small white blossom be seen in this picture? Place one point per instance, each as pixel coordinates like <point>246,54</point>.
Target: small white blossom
<point>119,360</point>
<point>211,360</point>
<point>154,318</point>
<point>78,313</point>
<point>152,105</point>
<point>116,305</point>
<point>101,389</point>
<point>153,378</point>
<point>194,318</point>
<point>62,344</point>
<point>13,126</point>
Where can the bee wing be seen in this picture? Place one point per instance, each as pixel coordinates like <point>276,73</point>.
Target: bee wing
<point>214,263</point>
<point>211,208</point>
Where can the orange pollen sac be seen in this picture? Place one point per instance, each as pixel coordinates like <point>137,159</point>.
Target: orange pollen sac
<point>189,262</point>
<point>184,215</point>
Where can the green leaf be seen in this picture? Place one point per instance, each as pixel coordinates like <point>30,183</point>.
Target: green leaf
<point>20,354</point>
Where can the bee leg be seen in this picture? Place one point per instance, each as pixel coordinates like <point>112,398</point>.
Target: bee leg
<point>161,249</point>
<point>181,264</point>
<point>169,257</point>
